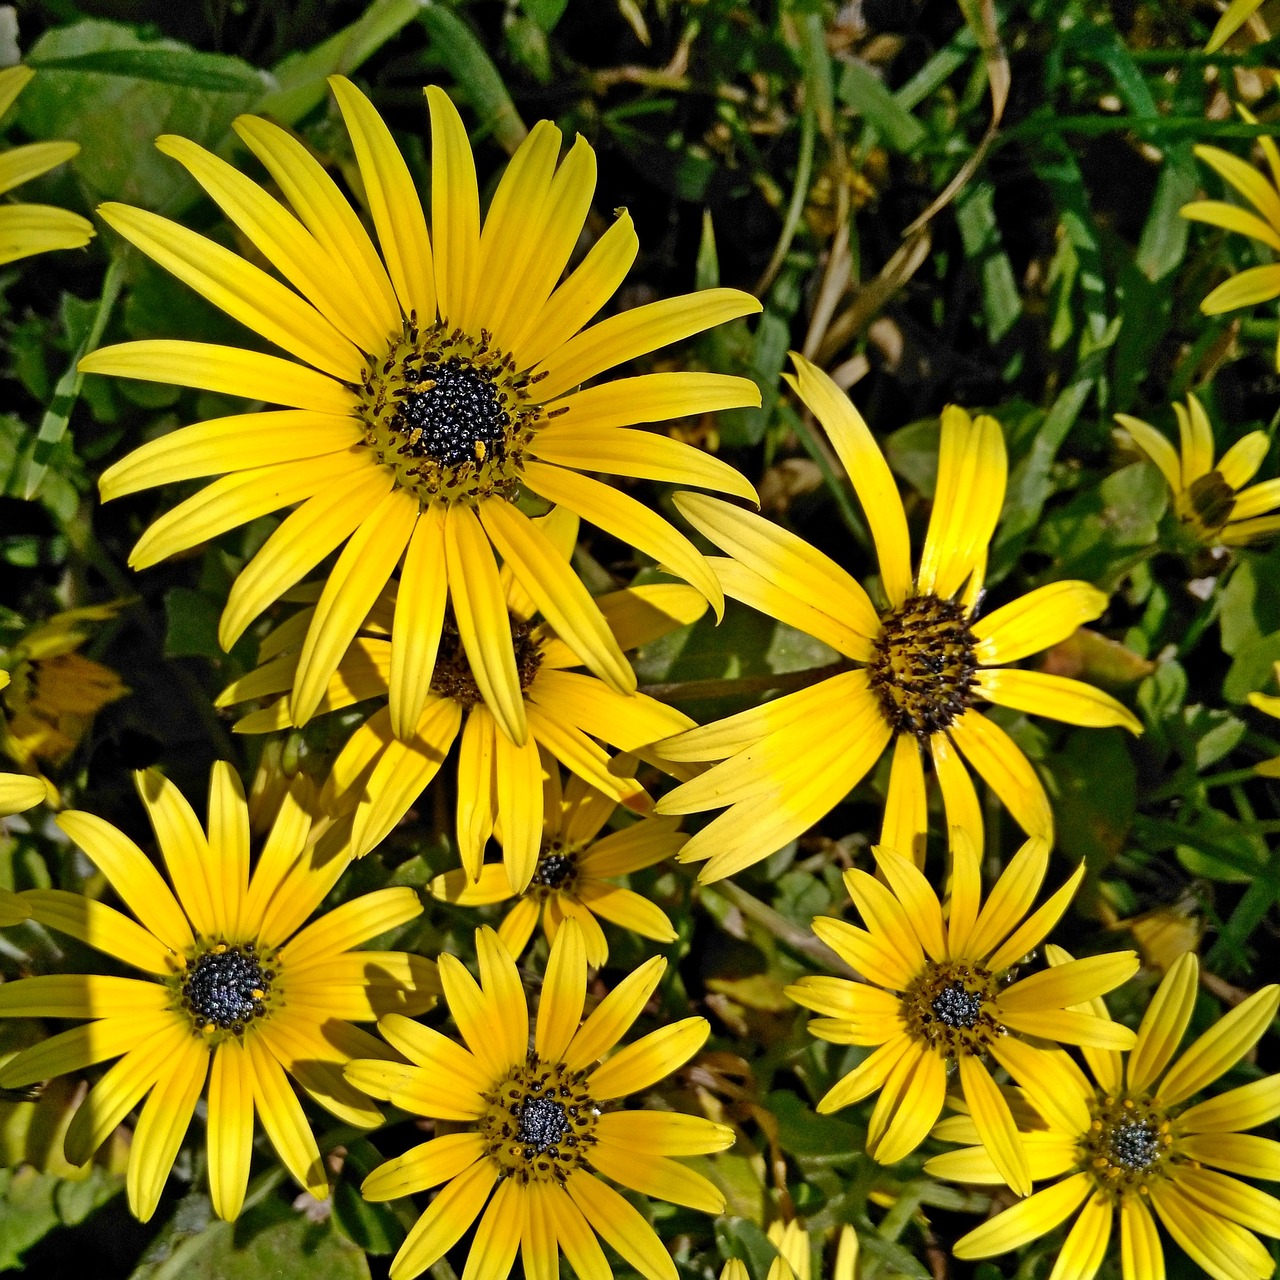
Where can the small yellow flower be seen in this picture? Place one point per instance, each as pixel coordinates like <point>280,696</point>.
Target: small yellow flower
<point>936,997</point>
<point>379,775</point>
<point>34,228</point>
<point>1255,284</point>
<point>572,878</point>
<point>1270,704</point>
<point>56,692</point>
<point>794,1260</point>
<point>1127,1142</point>
<point>541,1129</point>
<point>1211,502</point>
<point>916,668</point>
<point>237,988</point>
<point>432,380</point>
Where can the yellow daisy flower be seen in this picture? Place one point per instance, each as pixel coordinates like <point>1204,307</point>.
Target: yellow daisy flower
<point>430,386</point>
<point>1255,284</point>
<point>538,1123</point>
<point>1211,502</point>
<point>1127,1142</point>
<point>572,878</point>
<point>56,692</point>
<point>18,793</point>
<point>499,783</point>
<point>1270,704</point>
<point>34,228</point>
<point>236,989</point>
<point>915,668</point>
<point>794,1260</point>
<point>936,997</point>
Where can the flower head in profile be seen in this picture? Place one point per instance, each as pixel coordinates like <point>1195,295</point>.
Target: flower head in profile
<point>34,228</point>
<point>432,381</point>
<point>1255,284</point>
<point>794,1260</point>
<point>936,997</point>
<point>56,691</point>
<point>576,867</point>
<point>236,989</point>
<point>916,667</point>
<point>1214,503</point>
<point>1132,1140</point>
<point>542,1126</point>
<point>1270,704</point>
<point>380,775</point>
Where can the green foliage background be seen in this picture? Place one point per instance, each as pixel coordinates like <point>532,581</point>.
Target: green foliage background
<point>787,148</point>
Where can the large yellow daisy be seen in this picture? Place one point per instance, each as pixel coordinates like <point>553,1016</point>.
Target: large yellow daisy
<point>34,228</point>
<point>1211,501</point>
<point>432,384</point>
<point>574,873</point>
<point>1127,1142</point>
<point>236,989</point>
<point>499,783</point>
<point>540,1123</point>
<point>916,667</point>
<point>937,997</point>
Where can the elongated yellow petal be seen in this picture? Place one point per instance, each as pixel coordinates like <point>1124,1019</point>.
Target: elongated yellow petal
<point>1034,1217</point>
<point>1231,217</point>
<point>71,1051</point>
<point>1240,1153</point>
<point>497,1238</point>
<point>557,591</point>
<point>1049,1084</point>
<point>642,454</point>
<point>917,897</point>
<point>19,793</point>
<point>284,1120</point>
<point>1156,447</point>
<point>563,993</point>
<point>1245,179</point>
<point>908,1105</point>
<point>657,1176</point>
<point>1237,13</point>
<point>21,164</point>
<point>869,1075</point>
<point>185,847</point>
<point>240,289</point>
<point>1244,289</point>
<point>906,815</point>
<point>866,468</point>
<point>1221,1047</point>
<point>230,1128</point>
<point>649,1059</point>
<point>424,1166</point>
<point>163,1125</point>
<point>1224,1250</point>
<point>1240,463</point>
<point>419,618</point>
<point>594,413</point>
<point>612,1017</point>
<point>1036,927</point>
<point>393,203</point>
<point>325,212</point>
<point>620,1225</point>
<point>567,1225</point>
<point>1042,694</point>
<point>995,1124</point>
<point>325,280</point>
<point>1006,770</point>
<point>313,1049</point>
<point>1069,1027</point>
<point>1141,1253</point>
<point>1070,983</point>
<point>518,796</point>
<point>784,559</point>
<point>455,211</point>
<point>1256,500</point>
<point>446,1220</point>
<point>1036,621</point>
<point>355,582</point>
<point>442,1095</point>
<point>885,917</point>
<point>1245,1107</point>
<point>629,520</point>
<point>101,927</point>
<point>302,539</point>
<point>483,623</point>
<point>251,375</point>
<point>39,228</point>
<point>1011,897</point>
<point>627,910</point>
<point>478,1019</point>
<point>637,332</point>
<point>1086,1243</point>
<point>1165,1022</point>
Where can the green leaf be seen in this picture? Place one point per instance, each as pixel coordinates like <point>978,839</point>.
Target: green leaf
<point>104,87</point>
<point>1094,788</point>
<point>546,13</point>
<point>861,89</point>
<point>980,235</point>
<point>1252,668</point>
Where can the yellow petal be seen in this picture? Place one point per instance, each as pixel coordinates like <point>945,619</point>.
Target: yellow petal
<point>620,1226</point>
<point>1156,447</point>
<point>1245,1107</point>
<point>1038,620</point>
<point>229,1137</point>
<point>1034,1217</point>
<point>419,618</point>
<point>252,375</point>
<point>1039,693</point>
<point>446,1220</point>
<point>961,807</point>
<point>1010,898</point>
<point>1240,1153</point>
<point>1164,1023</point>
<point>1245,179</point>
<point>1141,1253</point>
<point>1036,927</point>
<point>649,1059</point>
<point>868,471</point>
<point>1000,762</point>
<point>657,1176</point>
<point>1244,289</point>
<point>575,1237</point>
<point>39,228</point>
<point>21,164</point>
<point>100,927</point>
<point>518,796</point>
<point>424,1166</point>
<point>185,849</point>
<point>1221,1047</point>
<point>240,289</point>
<point>627,910</point>
<point>906,814</point>
<point>393,203</point>
<point>995,1124</point>
<point>907,1107</point>
<point>455,211</point>
<point>1231,217</point>
<point>1224,1250</point>
<point>564,991</point>
<point>613,1016</point>
<point>69,1052</point>
<point>352,923</point>
<point>869,1075</point>
<point>1071,983</point>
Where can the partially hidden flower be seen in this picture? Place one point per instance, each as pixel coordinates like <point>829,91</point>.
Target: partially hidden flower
<point>18,793</point>
<point>575,873</point>
<point>1132,1139</point>
<point>915,669</point>
<point>1269,704</point>
<point>794,1260</point>
<point>542,1121</point>
<point>937,997</point>
<point>1214,502</point>
<point>55,691</point>
<point>26,229</point>
<point>431,381</point>
<point>238,990</point>
<point>500,785</point>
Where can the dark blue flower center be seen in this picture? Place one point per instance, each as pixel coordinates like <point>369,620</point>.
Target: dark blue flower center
<point>226,987</point>
<point>457,417</point>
